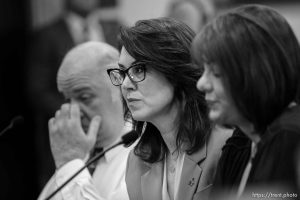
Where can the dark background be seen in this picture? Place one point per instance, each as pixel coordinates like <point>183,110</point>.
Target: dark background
<point>17,163</point>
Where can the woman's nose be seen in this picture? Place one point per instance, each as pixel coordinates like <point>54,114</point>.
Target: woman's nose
<point>203,84</point>
<point>128,84</point>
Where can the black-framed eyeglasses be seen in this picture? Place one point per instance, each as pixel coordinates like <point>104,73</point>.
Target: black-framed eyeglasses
<point>136,73</point>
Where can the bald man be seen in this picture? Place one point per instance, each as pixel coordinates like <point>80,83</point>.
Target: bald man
<point>92,119</point>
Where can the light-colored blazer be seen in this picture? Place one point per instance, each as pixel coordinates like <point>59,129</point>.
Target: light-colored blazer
<point>144,181</point>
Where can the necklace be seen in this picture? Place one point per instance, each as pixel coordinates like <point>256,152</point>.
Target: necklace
<point>172,168</point>
<point>172,161</point>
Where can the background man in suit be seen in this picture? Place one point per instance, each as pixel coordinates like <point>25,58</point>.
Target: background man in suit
<point>50,44</point>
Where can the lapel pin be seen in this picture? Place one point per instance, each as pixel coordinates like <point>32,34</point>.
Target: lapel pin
<point>191,182</point>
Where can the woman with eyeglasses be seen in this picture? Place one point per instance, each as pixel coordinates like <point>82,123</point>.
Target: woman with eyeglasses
<point>178,149</point>
<point>251,61</point>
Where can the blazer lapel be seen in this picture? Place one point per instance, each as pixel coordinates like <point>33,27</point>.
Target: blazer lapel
<point>190,175</point>
<point>152,181</point>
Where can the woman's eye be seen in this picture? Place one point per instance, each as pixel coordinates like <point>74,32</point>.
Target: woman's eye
<point>217,74</point>
<point>138,69</point>
<point>216,71</point>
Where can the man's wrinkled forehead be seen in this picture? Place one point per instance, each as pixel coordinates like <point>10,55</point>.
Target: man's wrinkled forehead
<point>68,81</point>
<point>87,63</point>
<point>96,79</point>
<point>80,62</point>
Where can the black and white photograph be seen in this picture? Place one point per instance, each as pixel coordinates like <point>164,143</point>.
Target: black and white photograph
<point>150,99</point>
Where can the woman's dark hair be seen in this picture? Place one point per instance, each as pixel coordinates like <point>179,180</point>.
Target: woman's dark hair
<point>166,42</point>
<point>259,58</point>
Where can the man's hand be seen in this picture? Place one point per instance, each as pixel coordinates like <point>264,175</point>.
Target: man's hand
<point>67,138</point>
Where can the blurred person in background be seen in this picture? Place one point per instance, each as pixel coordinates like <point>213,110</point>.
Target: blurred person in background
<point>77,24</point>
<point>83,80</point>
<point>195,13</point>
<point>251,61</point>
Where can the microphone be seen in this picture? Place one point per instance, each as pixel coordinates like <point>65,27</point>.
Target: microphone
<point>126,140</point>
<point>15,122</point>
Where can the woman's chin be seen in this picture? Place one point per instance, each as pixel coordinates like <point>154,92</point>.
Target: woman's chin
<point>220,120</point>
<point>215,118</point>
<point>138,116</point>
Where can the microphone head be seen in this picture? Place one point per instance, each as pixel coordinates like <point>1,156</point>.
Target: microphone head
<point>129,138</point>
<point>18,120</point>
<point>14,123</point>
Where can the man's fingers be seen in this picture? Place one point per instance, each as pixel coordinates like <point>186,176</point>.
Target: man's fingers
<point>52,129</point>
<point>57,114</point>
<point>94,127</point>
<point>65,111</point>
<point>75,113</point>
<point>51,125</point>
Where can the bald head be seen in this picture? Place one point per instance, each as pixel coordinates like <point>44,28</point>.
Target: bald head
<point>89,56</point>
<point>86,64</point>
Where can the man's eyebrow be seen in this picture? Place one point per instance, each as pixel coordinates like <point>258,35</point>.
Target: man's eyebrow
<point>81,89</point>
